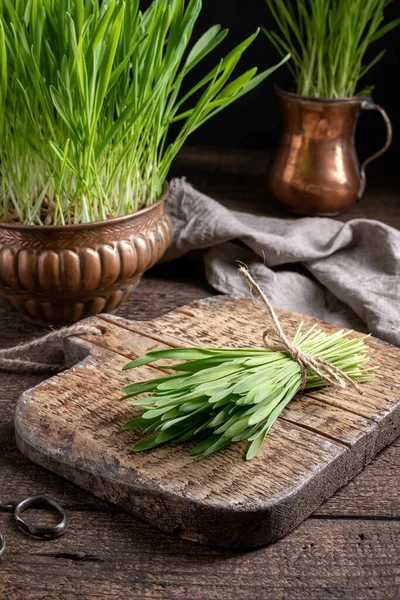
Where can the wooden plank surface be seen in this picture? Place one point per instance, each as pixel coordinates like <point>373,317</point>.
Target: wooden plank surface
<point>71,424</point>
<point>347,550</point>
<point>116,558</point>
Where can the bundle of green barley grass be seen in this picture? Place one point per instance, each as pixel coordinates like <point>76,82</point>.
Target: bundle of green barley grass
<point>224,395</point>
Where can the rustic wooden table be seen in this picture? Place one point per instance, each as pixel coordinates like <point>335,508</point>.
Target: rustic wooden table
<point>349,549</point>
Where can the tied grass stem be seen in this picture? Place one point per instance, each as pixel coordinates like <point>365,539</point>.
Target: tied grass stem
<point>221,396</point>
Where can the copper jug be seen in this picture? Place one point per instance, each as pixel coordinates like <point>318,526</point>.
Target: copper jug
<point>315,170</point>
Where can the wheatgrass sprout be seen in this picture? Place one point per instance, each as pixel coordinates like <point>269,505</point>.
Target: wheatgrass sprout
<point>328,41</point>
<point>88,92</point>
<point>229,395</point>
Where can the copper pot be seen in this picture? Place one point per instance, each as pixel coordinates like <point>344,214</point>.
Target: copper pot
<point>315,169</point>
<point>57,275</point>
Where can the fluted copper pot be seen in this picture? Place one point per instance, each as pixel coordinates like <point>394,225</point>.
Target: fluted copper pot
<point>57,275</point>
<point>315,169</point>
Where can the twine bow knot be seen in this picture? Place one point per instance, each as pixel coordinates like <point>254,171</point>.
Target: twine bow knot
<point>277,340</point>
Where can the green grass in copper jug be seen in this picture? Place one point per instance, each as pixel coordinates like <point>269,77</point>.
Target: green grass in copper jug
<point>328,42</point>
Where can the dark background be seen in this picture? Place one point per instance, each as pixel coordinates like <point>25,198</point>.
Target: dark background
<point>253,122</point>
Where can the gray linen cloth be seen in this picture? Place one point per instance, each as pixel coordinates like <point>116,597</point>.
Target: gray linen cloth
<point>344,273</point>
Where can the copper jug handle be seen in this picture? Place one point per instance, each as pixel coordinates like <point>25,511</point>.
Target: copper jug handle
<point>369,104</point>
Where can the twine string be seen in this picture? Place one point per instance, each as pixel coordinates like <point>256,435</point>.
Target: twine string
<point>278,341</point>
<point>18,365</point>
<point>275,340</point>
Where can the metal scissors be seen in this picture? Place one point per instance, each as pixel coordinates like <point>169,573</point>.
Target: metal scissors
<point>48,532</point>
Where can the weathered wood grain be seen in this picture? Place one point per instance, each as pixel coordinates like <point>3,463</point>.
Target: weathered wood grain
<point>112,556</point>
<point>335,567</point>
<point>367,506</point>
<point>374,493</point>
<point>72,425</point>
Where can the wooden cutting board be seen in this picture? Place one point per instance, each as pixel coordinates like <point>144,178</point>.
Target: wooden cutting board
<point>71,424</point>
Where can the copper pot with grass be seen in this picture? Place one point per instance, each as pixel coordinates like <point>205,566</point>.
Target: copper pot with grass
<point>57,275</point>
<point>87,99</point>
<point>315,169</point>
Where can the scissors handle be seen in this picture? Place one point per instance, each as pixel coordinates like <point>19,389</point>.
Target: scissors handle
<point>43,532</point>
<point>49,532</point>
